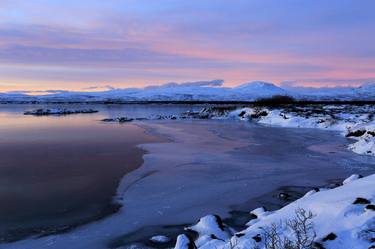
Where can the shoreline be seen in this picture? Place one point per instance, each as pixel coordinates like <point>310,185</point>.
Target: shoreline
<point>194,102</point>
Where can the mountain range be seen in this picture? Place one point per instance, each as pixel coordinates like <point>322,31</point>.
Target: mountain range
<point>197,91</point>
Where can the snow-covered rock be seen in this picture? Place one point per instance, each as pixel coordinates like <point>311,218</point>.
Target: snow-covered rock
<point>119,119</point>
<point>58,111</point>
<point>213,226</point>
<point>343,217</point>
<point>160,239</point>
<point>351,178</point>
<point>364,146</point>
<point>184,242</point>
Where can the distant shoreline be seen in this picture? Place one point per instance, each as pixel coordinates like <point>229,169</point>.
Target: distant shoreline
<point>297,102</point>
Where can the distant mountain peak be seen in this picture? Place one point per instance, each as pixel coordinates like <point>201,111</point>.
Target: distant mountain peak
<point>258,84</point>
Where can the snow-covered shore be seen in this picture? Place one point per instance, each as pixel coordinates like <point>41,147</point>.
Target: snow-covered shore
<point>355,122</point>
<point>343,217</point>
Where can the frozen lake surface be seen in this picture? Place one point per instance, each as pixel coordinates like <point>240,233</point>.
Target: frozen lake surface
<point>191,168</point>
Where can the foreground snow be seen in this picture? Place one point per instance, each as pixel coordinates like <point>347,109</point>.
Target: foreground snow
<point>343,217</point>
<point>355,122</point>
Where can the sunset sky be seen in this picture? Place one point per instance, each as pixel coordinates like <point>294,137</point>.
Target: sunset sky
<point>78,45</point>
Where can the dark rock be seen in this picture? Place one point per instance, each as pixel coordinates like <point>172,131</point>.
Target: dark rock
<point>239,235</point>
<point>259,114</point>
<point>119,119</point>
<point>356,133</point>
<point>108,120</point>
<point>360,200</point>
<point>58,112</point>
<point>219,222</point>
<point>213,236</point>
<point>257,238</point>
<point>284,196</point>
<point>370,207</point>
<point>124,119</point>
<point>242,114</point>
<point>253,216</point>
<point>317,245</point>
<point>330,236</point>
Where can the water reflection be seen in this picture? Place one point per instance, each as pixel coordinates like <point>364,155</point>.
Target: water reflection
<point>59,171</point>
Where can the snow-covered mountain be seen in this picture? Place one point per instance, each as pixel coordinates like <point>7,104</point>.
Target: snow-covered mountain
<point>200,91</point>
<point>259,87</point>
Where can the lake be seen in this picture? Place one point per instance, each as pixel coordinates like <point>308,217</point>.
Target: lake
<point>59,174</point>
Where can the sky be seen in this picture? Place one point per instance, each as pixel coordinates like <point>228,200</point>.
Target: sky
<point>96,44</point>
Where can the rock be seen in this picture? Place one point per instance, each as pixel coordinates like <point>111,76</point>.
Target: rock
<point>258,114</point>
<point>239,235</point>
<point>108,120</point>
<point>119,119</point>
<point>124,119</point>
<point>317,245</point>
<point>160,239</point>
<point>370,207</point>
<point>284,196</point>
<point>258,212</point>
<point>357,133</point>
<point>351,178</point>
<point>58,111</point>
<point>212,225</point>
<point>330,236</point>
<point>311,192</point>
<point>361,201</point>
<point>257,238</point>
<point>242,113</point>
<point>215,111</point>
<point>184,242</point>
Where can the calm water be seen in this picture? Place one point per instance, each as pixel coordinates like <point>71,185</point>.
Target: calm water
<point>61,171</point>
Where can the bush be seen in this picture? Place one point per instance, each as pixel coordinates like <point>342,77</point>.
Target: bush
<point>276,100</point>
<point>302,233</point>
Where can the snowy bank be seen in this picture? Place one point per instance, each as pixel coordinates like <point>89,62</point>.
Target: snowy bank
<point>343,217</point>
<point>58,111</point>
<point>355,122</point>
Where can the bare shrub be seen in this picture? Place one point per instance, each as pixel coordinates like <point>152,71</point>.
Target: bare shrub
<point>302,232</point>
